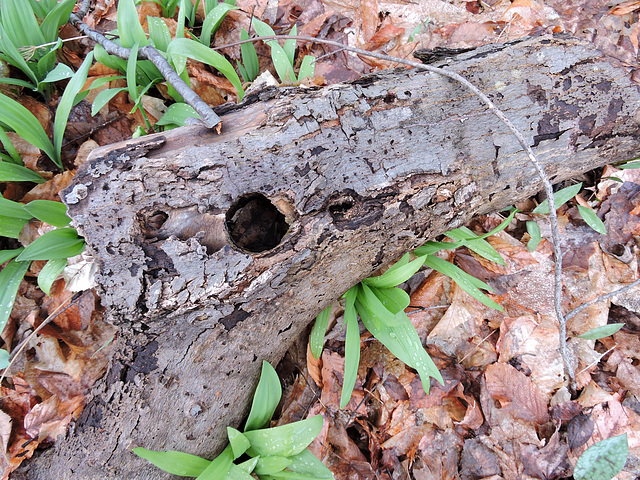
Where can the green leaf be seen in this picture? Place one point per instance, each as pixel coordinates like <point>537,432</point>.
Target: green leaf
<point>20,23</point>
<point>476,244</point>
<point>9,208</point>
<point>107,60</point>
<point>11,227</point>
<point>467,282</point>
<point>219,467</point>
<point>177,114</point>
<point>403,341</point>
<point>249,57</point>
<point>591,219</point>
<point>176,463</point>
<point>10,278</point>
<point>533,229</point>
<point>182,16</point>
<point>6,255</point>
<point>66,103</point>
<point>430,248</point>
<point>10,172</point>
<point>265,400</point>
<point>285,440</point>
<point>132,63</point>
<point>248,465</point>
<point>98,82</point>
<point>49,273</point>
<point>290,45</point>
<point>236,473</point>
<point>238,442</point>
<point>281,62</point>
<point>58,243</point>
<point>105,97</point>
<point>25,124</point>
<point>369,299</point>
<point>561,197</point>
<point>60,72</point>
<point>316,339</point>
<point>159,33</point>
<point>394,299</point>
<point>307,67</point>
<point>56,17</point>
<point>633,163</point>
<point>4,359</point>
<point>603,460</point>
<point>351,347</point>
<point>12,55</point>
<point>270,465</point>
<point>11,150</point>
<point>601,332</point>
<point>306,463</point>
<point>213,20</point>
<point>397,274</point>
<point>196,51</point>
<point>48,211</point>
<point>129,28</point>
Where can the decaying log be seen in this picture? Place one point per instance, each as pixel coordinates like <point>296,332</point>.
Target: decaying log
<point>319,188</point>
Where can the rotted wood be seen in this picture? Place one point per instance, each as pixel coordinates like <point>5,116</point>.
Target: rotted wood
<point>217,250</point>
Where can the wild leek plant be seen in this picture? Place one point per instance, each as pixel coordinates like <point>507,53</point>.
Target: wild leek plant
<point>276,453</point>
<point>380,305</point>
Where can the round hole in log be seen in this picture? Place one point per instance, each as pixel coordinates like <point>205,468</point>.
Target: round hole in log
<point>255,224</point>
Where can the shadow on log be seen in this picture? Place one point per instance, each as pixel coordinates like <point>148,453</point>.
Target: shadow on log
<point>216,251</point>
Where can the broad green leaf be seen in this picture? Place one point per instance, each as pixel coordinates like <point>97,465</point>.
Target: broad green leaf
<point>4,359</point>
<point>182,17</point>
<point>285,440</point>
<point>10,278</point>
<point>265,400</point>
<point>248,465</point>
<point>467,282</point>
<point>306,463</point>
<point>58,243</point>
<point>307,67</point>
<point>25,124</point>
<point>236,473</point>
<point>237,441</point>
<point>397,274</point>
<point>176,463</point>
<point>601,332</point>
<point>9,208</point>
<point>403,341</point>
<point>61,72</point>
<point>289,46</point>
<point>6,255</point>
<point>48,211</point>
<point>132,63</point>
<point>591,219</point>
<point>107,60</point>
<point>633,163</point>
<point>66,103</point>
<point>56,17</point>
<point>561,197</point>
<point>219,467</point>
<point>316,339</point>
<point>11,150</point>
<point>196,51</point>
<point>20,23</point>
<point>394,299</point>
<point>351,347</point>
<point>12,55</point>
<point>281,62</point>
<point>430,248</point>
<point>177,114</point>
<point>11,227</point>
<point>270,465</point>
<point>213,20</point>
<point>159,33</point>
<point>51,270</point>
<point>98,82</point>
<point>105,97</point>
<point>533,229</point>
<point>129,28</point>
<point>370,300</point>
<point>603,460</point>
<point>476,244</point>
<point>249,57</point>
<point>10,172</point>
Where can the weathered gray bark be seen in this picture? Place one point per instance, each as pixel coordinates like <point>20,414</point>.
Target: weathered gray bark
<point>362,172</point>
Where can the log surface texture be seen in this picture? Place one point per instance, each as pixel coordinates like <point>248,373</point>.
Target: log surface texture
<point>362,172</point>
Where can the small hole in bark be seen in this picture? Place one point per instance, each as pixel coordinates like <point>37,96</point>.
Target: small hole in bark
<point>155,220</point>
<point>255,224</point>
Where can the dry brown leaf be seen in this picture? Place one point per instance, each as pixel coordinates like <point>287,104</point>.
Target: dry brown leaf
<point>516,393</point>
<point>314,366</point>
<point>49,419</point>
<point>593,395</point>
<point>50,189</point>
<point>625,7</point>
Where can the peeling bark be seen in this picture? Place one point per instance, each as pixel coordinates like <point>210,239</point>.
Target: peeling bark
<point>342,180</point>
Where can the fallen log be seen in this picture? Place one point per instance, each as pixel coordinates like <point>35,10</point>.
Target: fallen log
<point>217,250</point>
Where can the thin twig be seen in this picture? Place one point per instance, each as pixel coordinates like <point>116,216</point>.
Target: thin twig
<point>209,117</point>
<point>578,309</point>
<point>548,187</point>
